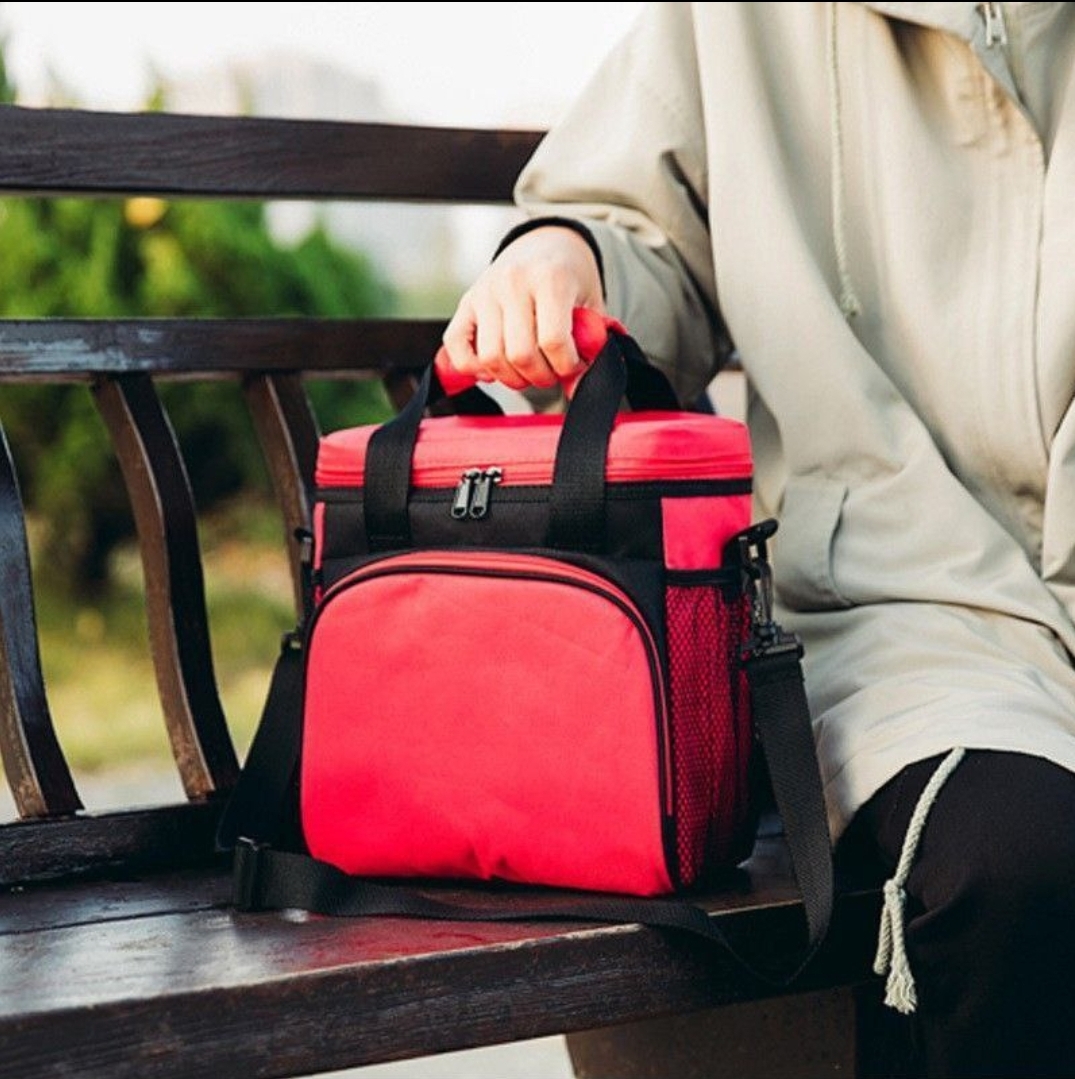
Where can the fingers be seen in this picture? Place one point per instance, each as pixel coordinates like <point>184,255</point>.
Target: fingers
<point>500,345</point>
<point>519,346</point>
<point>503,338</point>
<point>514,324</point>
<point>552,332</point>
<point>476,341</point>
<point>460,337</point>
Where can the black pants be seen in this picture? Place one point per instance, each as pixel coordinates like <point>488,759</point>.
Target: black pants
<point>990,917</point>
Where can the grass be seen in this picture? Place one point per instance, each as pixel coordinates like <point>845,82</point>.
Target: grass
<point>96,660</point>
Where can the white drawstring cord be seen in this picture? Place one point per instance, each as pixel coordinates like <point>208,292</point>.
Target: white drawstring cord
<point>891,956</point>
<point>849,302</point>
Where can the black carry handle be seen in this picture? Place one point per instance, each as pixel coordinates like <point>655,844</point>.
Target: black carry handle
<point>577,501</point>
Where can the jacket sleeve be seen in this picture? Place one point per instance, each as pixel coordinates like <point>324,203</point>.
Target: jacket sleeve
<point>629,160</point>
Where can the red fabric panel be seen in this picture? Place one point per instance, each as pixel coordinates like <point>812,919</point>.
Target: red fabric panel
<point>319,533</point>
<point>318,529</point>
<point>695,530</point>
<point>449,757</point>
<point>645,447</point>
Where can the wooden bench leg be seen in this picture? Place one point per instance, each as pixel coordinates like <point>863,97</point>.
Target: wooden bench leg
<point>841,1032</point>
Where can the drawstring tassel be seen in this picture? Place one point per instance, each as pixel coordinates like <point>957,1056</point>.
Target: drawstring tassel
<point>900,992</point>
<point>892,952</point>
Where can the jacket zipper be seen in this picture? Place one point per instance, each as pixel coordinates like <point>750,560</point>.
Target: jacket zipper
<point>996,33</point>
<point>534,568</point>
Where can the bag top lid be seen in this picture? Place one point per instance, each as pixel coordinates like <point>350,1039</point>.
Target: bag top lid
<point>644,447</point>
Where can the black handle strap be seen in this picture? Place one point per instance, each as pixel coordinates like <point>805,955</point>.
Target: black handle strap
<point>577,499</point>
<point>268,879</point>
<point>577,508</point>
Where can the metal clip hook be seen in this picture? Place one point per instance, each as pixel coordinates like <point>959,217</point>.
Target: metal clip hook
<point>752,552</point>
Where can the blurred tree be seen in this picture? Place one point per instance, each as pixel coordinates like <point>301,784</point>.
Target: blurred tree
<point>145,257</point>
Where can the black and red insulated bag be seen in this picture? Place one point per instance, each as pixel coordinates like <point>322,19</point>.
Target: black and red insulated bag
<point>538,650</point>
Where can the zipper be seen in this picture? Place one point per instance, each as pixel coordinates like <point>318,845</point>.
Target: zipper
<point>464,492</point>
<point>473,492</point>
<point>539,473</point>
<point>483,488</point>
<point>996,33</point>
<point>534,568</point>
<point>468,490</point>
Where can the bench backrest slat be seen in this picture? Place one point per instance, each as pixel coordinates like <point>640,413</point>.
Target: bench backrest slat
<point>166,521</point>
<point>288,432</point>
<point>80,349</point>
<point>66,151</point>
<point>37,772</point>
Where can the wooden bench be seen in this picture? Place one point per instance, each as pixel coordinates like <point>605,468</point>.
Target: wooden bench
<point>120,954</point>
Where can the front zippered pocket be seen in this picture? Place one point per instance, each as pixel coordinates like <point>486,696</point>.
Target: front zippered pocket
<point>488,714</point>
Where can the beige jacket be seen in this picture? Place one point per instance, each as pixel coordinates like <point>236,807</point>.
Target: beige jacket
<point>855,192</point>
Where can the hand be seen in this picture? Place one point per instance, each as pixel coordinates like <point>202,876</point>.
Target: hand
<point>513,325</point>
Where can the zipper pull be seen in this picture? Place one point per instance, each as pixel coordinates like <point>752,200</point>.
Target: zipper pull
<point>483,487</point>
<point>996,33</point>
<point>461,502</point>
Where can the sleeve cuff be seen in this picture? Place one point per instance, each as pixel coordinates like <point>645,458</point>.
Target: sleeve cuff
<point>571,223</point>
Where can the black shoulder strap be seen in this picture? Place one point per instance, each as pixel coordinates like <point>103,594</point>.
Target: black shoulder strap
<point>259,802</point>
<point>269,879</point>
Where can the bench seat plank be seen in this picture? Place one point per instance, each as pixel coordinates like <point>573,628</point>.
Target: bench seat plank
<point>161,971</point>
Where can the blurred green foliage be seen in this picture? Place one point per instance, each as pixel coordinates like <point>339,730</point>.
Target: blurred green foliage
<point>143,257</point>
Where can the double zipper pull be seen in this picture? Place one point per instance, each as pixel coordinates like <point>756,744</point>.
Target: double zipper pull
<point>464,493</point>
<point>483,488</point>
<point>474,491</point>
